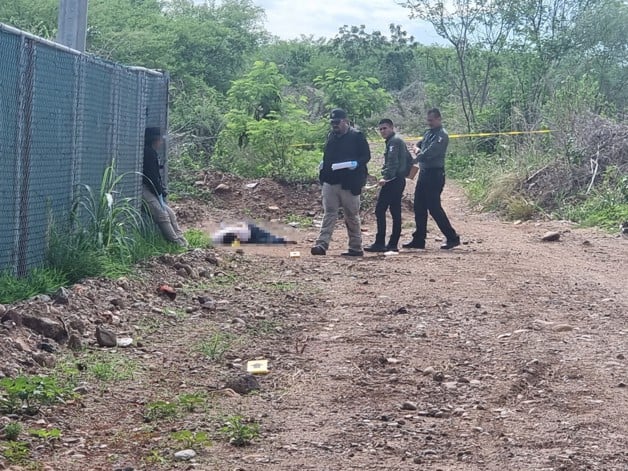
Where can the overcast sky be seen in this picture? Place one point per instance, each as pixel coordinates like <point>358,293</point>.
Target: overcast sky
<point>289,19</point>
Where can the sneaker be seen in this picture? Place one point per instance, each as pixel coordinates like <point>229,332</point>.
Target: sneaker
<point>391,248</point>
<point>352,253</point>
<point>318,250</point>
<point>450,244</point>
<point>375,248</point>
<point>414,244</point>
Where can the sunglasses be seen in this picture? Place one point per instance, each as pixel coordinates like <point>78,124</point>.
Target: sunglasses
<point>335,122</point>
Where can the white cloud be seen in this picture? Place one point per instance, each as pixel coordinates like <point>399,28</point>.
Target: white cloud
<point>290,19</point>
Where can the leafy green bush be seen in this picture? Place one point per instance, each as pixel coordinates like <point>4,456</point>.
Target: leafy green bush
<point>267,133</point>
<point>238,432</point>
<point>360,97</point>
<point>26,394</point>
<point>12,431</point>
<point>193,440</point>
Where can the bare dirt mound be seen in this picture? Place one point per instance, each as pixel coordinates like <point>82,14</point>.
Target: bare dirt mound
<point>262,199</point>
<point>505,353</point>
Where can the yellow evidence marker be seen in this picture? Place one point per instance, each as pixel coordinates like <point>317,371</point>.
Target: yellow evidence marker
<point>257,367</point>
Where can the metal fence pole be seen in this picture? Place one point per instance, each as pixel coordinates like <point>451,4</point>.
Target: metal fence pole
<point>72,24</point>
<point>25,109</point>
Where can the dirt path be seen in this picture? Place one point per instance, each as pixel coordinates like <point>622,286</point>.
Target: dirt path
<point>504,354</point>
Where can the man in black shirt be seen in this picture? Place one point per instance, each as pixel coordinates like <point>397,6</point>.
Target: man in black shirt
<point>153,192</point>
<point>343,174</point>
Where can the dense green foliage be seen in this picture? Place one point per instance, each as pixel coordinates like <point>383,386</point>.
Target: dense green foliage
<point>246,102</point>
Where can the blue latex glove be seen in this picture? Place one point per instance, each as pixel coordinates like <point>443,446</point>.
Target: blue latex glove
<point>354,165</point>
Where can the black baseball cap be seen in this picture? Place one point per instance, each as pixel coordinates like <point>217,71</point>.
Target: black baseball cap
<point>337,114</point>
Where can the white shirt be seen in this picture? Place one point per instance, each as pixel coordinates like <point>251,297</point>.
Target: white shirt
<point>242,232</point>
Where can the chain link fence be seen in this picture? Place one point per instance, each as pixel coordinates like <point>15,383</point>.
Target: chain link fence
<point>64,118</point>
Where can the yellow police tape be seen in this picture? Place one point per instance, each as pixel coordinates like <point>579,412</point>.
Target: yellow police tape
<point>487,134</point>
<point>458,136</point>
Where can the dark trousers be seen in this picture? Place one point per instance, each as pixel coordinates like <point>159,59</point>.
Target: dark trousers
<point>389,198</point>
<point>260,236</point>
<point>427,198</point>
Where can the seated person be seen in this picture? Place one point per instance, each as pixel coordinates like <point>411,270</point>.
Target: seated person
<point>153,192</point>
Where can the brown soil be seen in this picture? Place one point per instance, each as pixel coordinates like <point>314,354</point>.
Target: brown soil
<point>510,352</point>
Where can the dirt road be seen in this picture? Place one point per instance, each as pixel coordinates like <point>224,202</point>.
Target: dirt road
<point>504,354</point>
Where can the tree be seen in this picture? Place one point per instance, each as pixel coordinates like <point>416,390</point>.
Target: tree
<point>360,98</point>
<point>265,128</point>
<point>389,59</point>
<point>477,30</point>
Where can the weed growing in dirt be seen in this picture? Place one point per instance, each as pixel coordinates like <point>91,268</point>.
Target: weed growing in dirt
<point>216,346</point>
<point>302,221</point>
<point>238,432</point>
<point>110,368</point>
<point>27,394</point>
<point>263,327</point>
<point>193,440</point>
<point>155,457</point>
<point>160,410</point>
<point>198,239</point>
<point>191,401</point>
<point>50,436</point>
<point>283,286</point>
<point>16,452</point>
<point>12,431</point>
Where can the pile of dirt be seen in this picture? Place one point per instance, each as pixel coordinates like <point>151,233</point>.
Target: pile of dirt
<point>258,199</point>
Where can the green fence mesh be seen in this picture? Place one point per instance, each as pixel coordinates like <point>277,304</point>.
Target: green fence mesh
<point>64,118</point>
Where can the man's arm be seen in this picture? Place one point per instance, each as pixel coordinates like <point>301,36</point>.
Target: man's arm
<point>434,150</point>
<point>364,151</point>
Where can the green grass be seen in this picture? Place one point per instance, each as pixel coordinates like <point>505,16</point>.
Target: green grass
<point>198,239</point>
<point>283,286</point>
<point>38,281</point>
<point>238,432</point>
<point>302,221</point>
<point>216,345</point>
<point>598,212</point>
<point>263,327</point>
<point>12,431</point>
<point>160,410</point>
<point>106,236</point>
<point>111,368</point>
<point>606,206</point>
<point>16,452</point>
